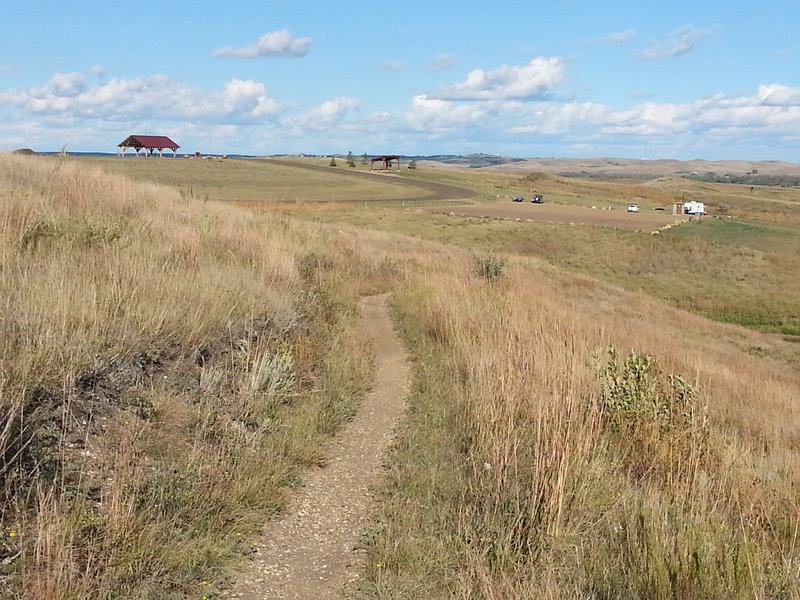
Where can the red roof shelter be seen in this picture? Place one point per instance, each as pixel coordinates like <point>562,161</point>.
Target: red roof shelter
<point>386,159</point>
<point>149,143</point>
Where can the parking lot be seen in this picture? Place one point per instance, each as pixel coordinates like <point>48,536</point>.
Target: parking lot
<point>647,220</point>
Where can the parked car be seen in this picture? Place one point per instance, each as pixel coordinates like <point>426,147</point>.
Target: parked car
<point>518,199</point>
<point>633,208</point>
<point>537,199</point>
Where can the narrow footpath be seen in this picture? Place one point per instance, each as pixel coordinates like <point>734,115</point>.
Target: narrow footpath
<point>309,552</point>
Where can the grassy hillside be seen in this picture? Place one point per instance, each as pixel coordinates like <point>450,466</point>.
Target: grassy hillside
<point>168,363</point>
<point>562,444</point>
<point>733,271</point>
<point>253,180</point>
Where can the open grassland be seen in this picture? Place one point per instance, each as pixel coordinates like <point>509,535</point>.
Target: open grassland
<point>253,180</point>
<point>770,203</point>
<point>735,271</point>
<point>562,444</point>
<point>169,363</point>
<point>166,366</point>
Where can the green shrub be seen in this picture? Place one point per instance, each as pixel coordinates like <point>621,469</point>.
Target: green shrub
<point>636,393</point>
<point>489,268</point>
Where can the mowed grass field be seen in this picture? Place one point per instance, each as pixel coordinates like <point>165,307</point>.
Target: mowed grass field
<point>254,180</point>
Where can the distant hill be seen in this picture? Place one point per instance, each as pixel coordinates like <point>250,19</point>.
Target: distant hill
<point>613,167</point>
<point>472,161</point>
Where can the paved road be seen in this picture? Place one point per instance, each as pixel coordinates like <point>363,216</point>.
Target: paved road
<point>429,191</point>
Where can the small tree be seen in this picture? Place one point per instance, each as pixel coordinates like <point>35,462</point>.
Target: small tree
<point>412,164</point>
<point>351,162</point>
<point>333,161</point>
<point>364,158</point>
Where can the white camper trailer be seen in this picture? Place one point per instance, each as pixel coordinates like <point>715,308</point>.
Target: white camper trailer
<point>694,208</point>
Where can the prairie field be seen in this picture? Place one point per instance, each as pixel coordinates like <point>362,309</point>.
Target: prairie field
<point>596,412</point>
<point>254,180</point>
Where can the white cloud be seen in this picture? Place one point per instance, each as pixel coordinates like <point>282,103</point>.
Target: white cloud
<point>678,42</point>
<point>443,62</point>
<point>98,71</point>
<point>157,97</point>
<point>555,119</point>
<point>618,37</point>
<point>434,113</point>
<point>773,111</point>
<point>66,85</point>
<point>778,95</point>
<point>276,43</point>
<point>326,115</point>
<point>649,118</point>
<point>507,82</point>
<point>495,110</point>
<point>4,68</point>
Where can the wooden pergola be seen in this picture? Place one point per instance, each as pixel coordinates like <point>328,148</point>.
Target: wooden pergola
<point>149,143</point>
<point>386,159</point>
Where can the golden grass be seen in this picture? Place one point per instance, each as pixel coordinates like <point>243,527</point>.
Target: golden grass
<point>255,180</point>
<point>546,500</point>
<point>719,268</point>
<point>167,364</point>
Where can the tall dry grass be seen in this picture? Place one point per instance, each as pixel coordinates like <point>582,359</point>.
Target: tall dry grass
<point>546,492</point>
<point>166,365</point>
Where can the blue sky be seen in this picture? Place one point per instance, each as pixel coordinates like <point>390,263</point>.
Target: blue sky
<point>562,78</point>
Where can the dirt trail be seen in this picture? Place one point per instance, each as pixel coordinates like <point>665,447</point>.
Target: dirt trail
<point>308,553</point>
<point>432,190</point>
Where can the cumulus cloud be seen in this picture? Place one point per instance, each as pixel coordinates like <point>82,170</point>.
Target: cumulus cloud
<point>326,115</point>
<point>155,96</point>
<point>443,62</point>
<point>778,95</point>
<point>677,43</point>
<point>507,82</point>
<point>427,113</point>
<point>98,71</point>
<point>503,108</point>
<point>66,85</point>
<point>276,43</point>
<point>557,119</point>
<point>773,110</point>
<point>650,118</point>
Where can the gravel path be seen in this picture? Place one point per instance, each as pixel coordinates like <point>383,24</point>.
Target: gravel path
<point>566,213</point>
<point>308,553</point>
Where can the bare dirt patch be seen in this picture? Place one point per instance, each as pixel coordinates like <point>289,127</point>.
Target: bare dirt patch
<point>560,213</point>
<point>310,552</point>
